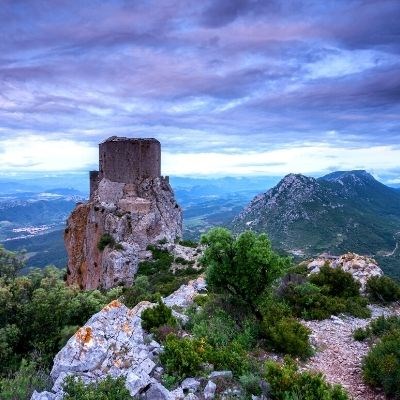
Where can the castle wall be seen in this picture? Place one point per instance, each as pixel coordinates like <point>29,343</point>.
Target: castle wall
<point>94,182</point>
<point>129,160</point>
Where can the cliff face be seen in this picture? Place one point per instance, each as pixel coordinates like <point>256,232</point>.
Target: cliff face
<point>134,215</point>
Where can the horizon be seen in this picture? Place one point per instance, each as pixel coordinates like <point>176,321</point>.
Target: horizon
<point>229,88</point>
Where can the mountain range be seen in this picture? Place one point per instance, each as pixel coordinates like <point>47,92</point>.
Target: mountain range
<point>339,212</point>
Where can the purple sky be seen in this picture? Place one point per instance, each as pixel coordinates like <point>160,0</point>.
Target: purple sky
<point>228,87</point>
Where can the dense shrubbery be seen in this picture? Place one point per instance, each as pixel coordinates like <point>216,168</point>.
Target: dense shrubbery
<point>183,356</point>
<point>378,327</point>
<point>21,384</point>
<point>107,389</point>
<point>36,312</point>
<point>161,280</point>
<point>382,289</point>
<point>157,316</point>
<point>287,382</point>
<point>328,292</point>
<point>381,366</point>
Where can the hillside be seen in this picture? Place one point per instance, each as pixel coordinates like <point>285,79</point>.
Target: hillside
<point>340,212</point>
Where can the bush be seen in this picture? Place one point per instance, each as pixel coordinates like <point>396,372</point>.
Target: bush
<point>287,382</point>
<point>290,337</point>
<point>381,366</point>
<point>183,357</point>
<point>251,384</point>
<point>335,282</point>
<point>22,383</point>
<point>138,292</point>
<point>378,327</point>
<point>382,289</point>
<point>360,334</point>
<point>188,243</point>
<point>105,240</point>
<point>231,357</point>
<point>157,316</point>
<point>310,301</point>
<point>107,389</point>
<point>37,312</point>
<point>242,267</point>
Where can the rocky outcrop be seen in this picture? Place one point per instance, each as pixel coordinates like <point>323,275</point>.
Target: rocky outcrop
<point>112,342</point>
<point>131,206</point>
<point>361,267</point>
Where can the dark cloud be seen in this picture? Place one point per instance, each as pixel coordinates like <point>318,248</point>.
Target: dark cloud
<point>237,74</point>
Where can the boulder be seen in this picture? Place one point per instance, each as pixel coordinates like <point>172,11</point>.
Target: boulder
<point>209,390</point>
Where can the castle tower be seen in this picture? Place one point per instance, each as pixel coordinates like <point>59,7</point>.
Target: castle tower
<point>127,160</point>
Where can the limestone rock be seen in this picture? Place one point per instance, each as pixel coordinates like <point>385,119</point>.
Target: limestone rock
<point>158,392</point>
<point>221,374</point>
<point>184,296</point>
<point>111,343</point>
<point>190,384</point>
<point>361,267</point>
<point>209,390</point>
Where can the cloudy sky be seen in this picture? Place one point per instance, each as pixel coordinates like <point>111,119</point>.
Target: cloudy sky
<point>229,87</point>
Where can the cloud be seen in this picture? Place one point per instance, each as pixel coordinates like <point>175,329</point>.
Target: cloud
<point>225,77</point>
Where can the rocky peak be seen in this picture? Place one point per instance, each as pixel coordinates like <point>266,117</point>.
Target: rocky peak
<point>355,177</point>
<point>130,207</point>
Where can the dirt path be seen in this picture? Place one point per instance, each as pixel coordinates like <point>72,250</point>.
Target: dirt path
<point>339,356</point>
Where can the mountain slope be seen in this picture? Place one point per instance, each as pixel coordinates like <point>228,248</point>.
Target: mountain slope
<point>340,212</point>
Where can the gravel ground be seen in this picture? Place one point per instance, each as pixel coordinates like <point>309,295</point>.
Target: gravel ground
<point>339,356</point>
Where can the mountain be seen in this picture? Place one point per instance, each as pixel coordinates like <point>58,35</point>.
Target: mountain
<point>342,211</point>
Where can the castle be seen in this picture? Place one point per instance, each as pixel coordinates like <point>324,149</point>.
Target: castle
<point>129,202</point>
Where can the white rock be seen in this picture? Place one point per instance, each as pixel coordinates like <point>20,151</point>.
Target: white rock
<point>221,374</point>
<point>190,384</point>
<point>209,390</point>
<point>158,392</point>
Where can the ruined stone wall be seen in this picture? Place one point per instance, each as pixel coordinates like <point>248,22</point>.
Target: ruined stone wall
<point>129,160</point>
<point>94,182</point>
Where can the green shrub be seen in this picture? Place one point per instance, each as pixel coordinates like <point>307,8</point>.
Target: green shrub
<point>105,240</point>
<point>22,383</point>
<point>251,384</point>
<point>188,243</point>
<point>231,357</point>
<point>335,282</point>
<point>382,289</point>
<point>157,316</point>
<point>219,328</point>
<point>360,334</point>
<point>141,290</point>
<point>288,383</point>
<point>381,366</point>
<point>200,299</point>
<point>107,389</point>
<point>290,337</point>
<point>183,357</point>
<point>382,325</point>
<point>310,301</point>
<point>37,313</point>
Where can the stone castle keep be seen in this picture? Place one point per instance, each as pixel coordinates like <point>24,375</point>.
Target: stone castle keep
<point>131,203</point>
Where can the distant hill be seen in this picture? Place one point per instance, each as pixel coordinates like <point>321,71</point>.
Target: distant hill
<point>342,211</point>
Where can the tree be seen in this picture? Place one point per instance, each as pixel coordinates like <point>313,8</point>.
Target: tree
<point>242,267</point>
<point>10,263</point>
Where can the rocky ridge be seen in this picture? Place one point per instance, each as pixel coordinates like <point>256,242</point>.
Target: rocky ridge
<point>114,343</point>
<point>340,212</point>
<point>361,267</point>
<point>134,215</point>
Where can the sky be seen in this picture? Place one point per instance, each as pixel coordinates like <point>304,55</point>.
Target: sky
<point>229,87</point>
